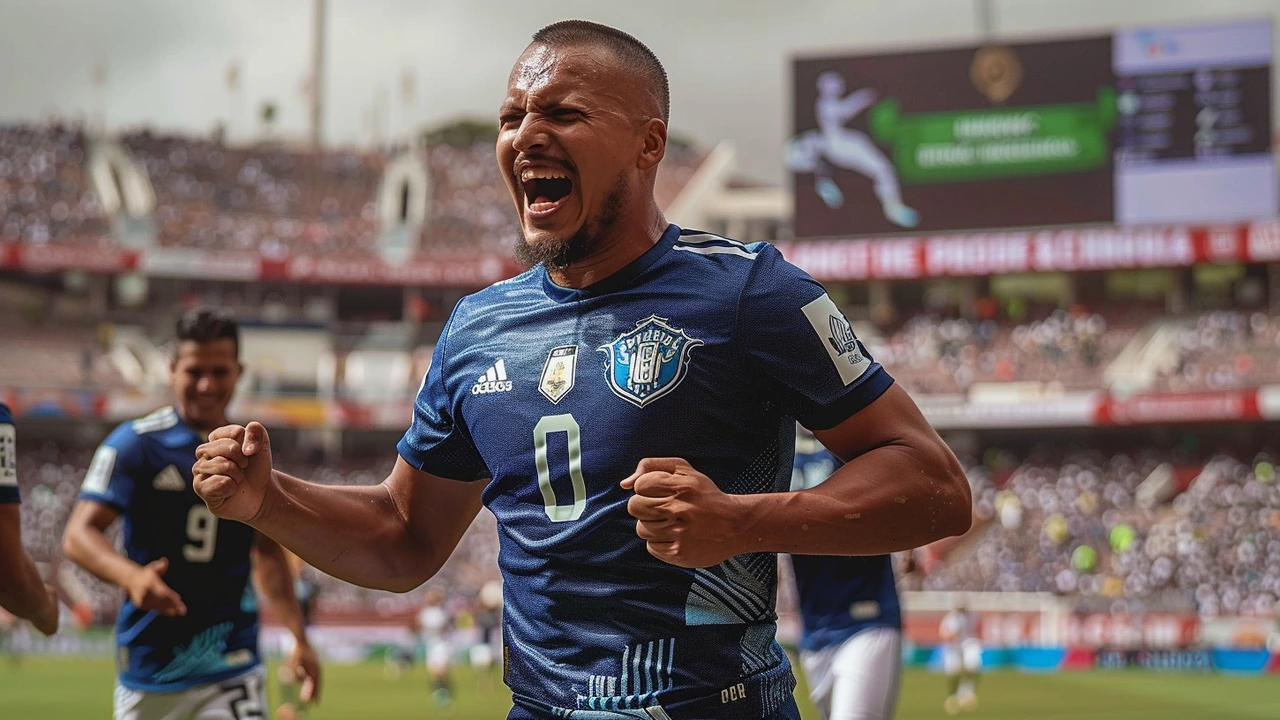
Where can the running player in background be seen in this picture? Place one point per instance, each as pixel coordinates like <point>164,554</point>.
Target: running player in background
<point>188,629</point>
<point>434,627</point>
<point>851,649</point>
<point>489,623</point>
<point>22,591</point>
<point>961,658</point>
<point>626,409</point>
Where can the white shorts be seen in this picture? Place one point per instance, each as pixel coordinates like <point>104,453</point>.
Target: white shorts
<point>243,697</point>
<point>963,657</point>
<point>439,655</point>
<point>857,679</point>
<point>481,656</point>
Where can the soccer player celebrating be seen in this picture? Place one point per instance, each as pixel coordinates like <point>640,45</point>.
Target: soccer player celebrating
<point>188,630</point>
<point>22,592</point>
<point>851,649</point>
<point>626,408</point>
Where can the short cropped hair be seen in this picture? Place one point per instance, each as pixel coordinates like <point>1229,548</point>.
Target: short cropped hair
<point>207,324</point>
<point>633,53</point>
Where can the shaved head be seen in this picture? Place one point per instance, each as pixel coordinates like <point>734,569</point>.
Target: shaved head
<point>635,59</point>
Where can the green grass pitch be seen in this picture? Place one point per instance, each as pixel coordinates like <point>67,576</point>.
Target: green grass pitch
<point>54,689</point>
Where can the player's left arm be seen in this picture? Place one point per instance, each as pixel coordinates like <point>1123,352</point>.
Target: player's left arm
<point>274,581</point>
<point>900,487</point>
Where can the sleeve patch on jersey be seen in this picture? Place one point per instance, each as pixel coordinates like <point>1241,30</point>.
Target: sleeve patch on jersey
<point>8,455</point>
<point>98,477</point>
<point>837,337</point>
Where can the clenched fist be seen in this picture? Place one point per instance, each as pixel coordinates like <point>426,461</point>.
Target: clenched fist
<point>682,516</point>
<point>233,471</point>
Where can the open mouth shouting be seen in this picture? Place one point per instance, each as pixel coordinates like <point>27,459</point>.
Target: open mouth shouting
<point>546,190</point>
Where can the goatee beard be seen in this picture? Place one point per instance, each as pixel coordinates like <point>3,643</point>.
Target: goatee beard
<point>561,254</point>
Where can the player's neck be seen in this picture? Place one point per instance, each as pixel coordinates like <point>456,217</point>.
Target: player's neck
<point>627,241</point>
<point>200,428</point>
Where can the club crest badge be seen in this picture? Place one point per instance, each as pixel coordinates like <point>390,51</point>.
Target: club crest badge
<point>648,362</point>
<point>558,373</point>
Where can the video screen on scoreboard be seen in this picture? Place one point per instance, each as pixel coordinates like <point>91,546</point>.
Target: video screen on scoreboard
<point>1150,125</point>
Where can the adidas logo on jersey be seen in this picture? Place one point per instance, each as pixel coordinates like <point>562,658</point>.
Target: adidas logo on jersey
<point>494,380</point>
<point>169,479</point>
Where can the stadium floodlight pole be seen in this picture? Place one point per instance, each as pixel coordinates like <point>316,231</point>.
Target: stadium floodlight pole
<point>986,19</point>
<point>317,73</point>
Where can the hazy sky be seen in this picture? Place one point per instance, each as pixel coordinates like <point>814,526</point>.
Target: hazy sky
<point>166,60</point>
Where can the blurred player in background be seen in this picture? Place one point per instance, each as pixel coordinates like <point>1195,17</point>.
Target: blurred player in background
<point>961,657</point>
<point>188,629</point>
<point>626,410</point>
<point>434,626</point>
<point>489,623</point>
<point>851,649</point>
<point>22,591</point>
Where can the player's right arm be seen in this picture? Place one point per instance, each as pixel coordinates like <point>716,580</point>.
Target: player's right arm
<point>22,592</point>
<point>107,492</point>
<point>85,543</point>
<point>392,536</point>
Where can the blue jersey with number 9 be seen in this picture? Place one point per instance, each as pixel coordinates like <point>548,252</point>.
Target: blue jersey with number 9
<point>702,348</point>
<point>143,471</point>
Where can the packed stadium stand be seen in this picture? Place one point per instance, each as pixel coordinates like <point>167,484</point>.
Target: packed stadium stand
<point>44,193</point>
<point>270,199</point>
<point>1116,528</point>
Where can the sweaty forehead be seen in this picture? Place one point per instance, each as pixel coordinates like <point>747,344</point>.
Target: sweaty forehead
<point>545,70</point>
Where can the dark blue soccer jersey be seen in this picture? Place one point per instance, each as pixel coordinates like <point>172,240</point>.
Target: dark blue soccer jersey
<point>839,596</point>
<point>702,348</point>
<point>143,470</point>
<point>8,458</point>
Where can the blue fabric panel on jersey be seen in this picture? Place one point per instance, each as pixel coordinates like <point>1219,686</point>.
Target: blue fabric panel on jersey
<point>702,348</point>
<point>143,470</point>
<point>9,492</point>
<point>840,596</point>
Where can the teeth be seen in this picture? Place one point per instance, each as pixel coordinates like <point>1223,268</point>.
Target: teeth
<point>541,174</point>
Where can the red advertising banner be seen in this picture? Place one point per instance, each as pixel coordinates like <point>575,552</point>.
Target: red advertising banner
<point>1060,250</point>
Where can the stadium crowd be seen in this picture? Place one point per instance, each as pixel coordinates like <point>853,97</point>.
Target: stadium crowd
<point>1102,526</point>
<point>1225,349</point>
<point>45,196</point>
<point>277,201</point>
<point>270,198</point>
<point>933,355</point>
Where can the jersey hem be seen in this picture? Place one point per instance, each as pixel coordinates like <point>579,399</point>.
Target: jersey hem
<point>843,638</point>
<point>869,389</point>
<point>187,683</point>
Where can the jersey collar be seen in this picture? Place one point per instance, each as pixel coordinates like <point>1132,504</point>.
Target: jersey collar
<point>617,280</point>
